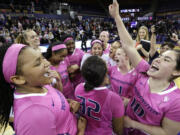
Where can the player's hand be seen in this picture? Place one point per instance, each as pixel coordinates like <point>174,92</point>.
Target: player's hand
<point>82,122</point>
<point>128,122</point>
<point>74,105</point>
<point>153,30</point>
<point>73,68</point>
<point>174,37</point>
<point>139,47</point>
<point>114,9</point>
<point>55,80</point>
<point>125,100</point>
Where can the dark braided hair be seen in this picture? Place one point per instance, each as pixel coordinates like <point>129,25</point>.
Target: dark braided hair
<point>6,91</point>
<point>66,36</point>
<point>48,54</point>
<point>93,70</point>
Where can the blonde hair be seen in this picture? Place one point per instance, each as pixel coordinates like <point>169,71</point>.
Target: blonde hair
<point>22,37</point>
<point>146,36</point>
<point>105,32</point>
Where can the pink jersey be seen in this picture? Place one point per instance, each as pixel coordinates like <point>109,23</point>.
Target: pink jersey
<point>122,83</point>
<point>151,108</point>
<point>107,50</point>
<point>99,106</point>
<point>73,59</point>
<point>76,57</point>
<point>68,89</point>
<point>43,114</point>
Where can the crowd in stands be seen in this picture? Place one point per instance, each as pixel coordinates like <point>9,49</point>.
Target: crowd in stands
<point>49,29</point>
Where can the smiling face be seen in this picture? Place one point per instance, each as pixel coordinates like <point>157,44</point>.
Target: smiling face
<point>163,67</point>
<point>113,49</point>
<point>97,49</point>
<point>142,33</point>
<point>59,56</point>
<point>164,48</point>
<point>32,39</point>
<point>104,36</point>
<point>33,68</point>
<point>70,44</point>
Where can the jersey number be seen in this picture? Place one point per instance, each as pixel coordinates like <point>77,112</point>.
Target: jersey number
<point>87,110</point>
<point>137,108</point>
<point>120,90</point>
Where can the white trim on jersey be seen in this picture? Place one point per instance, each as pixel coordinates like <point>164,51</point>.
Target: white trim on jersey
<point>16,96</point>
<point>166,91</point>
<point>127,72</point>
<point>100,88</point>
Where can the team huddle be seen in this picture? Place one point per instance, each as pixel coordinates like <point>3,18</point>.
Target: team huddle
<point>109,90</point>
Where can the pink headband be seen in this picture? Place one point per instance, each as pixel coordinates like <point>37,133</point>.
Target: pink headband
<point>10,61</point>
<point>58,47</point>
<point>68,38</point>
<point>96,41</point>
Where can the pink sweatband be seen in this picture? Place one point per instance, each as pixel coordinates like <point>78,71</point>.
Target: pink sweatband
<point>10,61</point>
<point>68,38</point>
<point>96,41</point>
<point>58,47</point>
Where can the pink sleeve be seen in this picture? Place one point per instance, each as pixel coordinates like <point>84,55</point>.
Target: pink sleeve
<point>173,112</point>
<point>143,66</point>
<point>66,60</point>
<point>36,120</point>
<point>117,106</point>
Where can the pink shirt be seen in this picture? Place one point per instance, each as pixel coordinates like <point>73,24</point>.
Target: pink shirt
<point>43,114</point>
<point>99,106</point>
<point>107,50</point>
<point>76,57</point>
<point>151,108</point>
<point>68,89</point>
<point>122,83</point>
<point>73,59</point>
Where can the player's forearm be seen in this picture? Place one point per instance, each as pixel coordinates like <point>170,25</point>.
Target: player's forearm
<point>152,130</point>
<point>123,33</point>
<point>153,43</point>
<point>126,39</point>
<point>81,132</point>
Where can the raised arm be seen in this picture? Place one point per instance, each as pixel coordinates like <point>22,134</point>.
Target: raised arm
<point>126,39</point>
<point>169,127</point>
<point>153,48</point>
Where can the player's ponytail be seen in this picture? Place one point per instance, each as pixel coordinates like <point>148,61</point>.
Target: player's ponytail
<point>88,86</point>
<point>6,92</point>
<point>93,70</point>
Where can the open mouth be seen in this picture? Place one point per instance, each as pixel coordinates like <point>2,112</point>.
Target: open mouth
<point>97,54</point>
<point>154,68</point>
<point>117,61</point>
